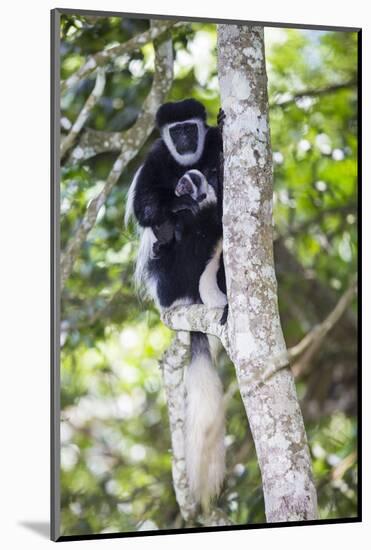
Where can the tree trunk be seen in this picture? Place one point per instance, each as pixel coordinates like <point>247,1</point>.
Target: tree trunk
<point>173,364</point>
<point>256,343</point>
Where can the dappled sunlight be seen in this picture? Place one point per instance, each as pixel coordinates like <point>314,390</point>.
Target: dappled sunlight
<point>198,56</point>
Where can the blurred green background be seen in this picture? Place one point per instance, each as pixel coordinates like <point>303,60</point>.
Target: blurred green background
<point>115,441</point>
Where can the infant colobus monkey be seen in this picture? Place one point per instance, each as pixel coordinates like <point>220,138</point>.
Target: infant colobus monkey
<point>191,271</point>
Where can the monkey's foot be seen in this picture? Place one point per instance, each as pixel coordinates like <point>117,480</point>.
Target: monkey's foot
<point>156,251</point>
<point>159,248</point>
<point>224,317</point>
<point>185,202</point>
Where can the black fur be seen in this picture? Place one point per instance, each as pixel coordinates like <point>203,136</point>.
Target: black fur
<point>179,111</point>
<point>180,266</point>
<point>199,345</point>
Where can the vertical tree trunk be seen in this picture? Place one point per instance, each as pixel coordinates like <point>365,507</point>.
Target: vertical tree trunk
<point>173,364</point>
<point>254,335</point>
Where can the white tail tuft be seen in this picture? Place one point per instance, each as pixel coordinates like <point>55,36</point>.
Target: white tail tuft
<point>215,347</point>
<point>147,239</point>
<point>129,208</point>
<point>205,429</point>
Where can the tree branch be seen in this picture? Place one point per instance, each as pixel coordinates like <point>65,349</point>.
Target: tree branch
<point>253,336</point>
<point>203,319</point>
<point>313,339</point>
<point>135,138</point>
<point>314,92</point>
<point>102,58</point>
<point>83,116</point>
<point>302,227</point>
<point>196,317</point>
<point>95,142</point>
<point>320,331</point>
<point>315,299</point>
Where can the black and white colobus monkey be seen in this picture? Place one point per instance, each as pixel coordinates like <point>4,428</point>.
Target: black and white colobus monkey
<point>181,210</point>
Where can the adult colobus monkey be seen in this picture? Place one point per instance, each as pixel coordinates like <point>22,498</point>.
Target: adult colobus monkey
<point>186,142</point>
<point>180,262</point>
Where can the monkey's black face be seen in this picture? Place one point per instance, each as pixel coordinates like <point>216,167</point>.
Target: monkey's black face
<point>184,137</point>
<point>185,140</point>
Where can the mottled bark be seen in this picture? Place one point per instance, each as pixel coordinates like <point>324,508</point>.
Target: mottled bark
<point>207,320</point>
<point>135,138</point>
<point>253,336</point>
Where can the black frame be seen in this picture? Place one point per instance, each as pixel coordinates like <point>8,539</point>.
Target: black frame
<point>55,279</point>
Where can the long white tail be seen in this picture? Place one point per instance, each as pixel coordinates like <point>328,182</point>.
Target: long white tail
<point>129,208</point>
<point>205,424</point>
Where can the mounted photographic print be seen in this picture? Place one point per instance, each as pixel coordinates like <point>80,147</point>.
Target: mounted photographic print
<point>204,278</point>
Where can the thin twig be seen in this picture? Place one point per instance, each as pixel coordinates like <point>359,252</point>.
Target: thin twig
<point>83,116</point>
<point>105,56</point>
<point>302,227</point>
<point>344,465</point>
<point>318,333</point>
<point>314,92</point>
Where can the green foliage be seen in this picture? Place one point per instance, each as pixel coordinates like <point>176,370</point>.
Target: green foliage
<point>116,458</point>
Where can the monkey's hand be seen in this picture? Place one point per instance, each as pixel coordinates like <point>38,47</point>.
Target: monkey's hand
<point>159,249</point>
<point>220,119</point>
<point>185,202</point>
<point>164,234</point>
<point>224,317</point>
